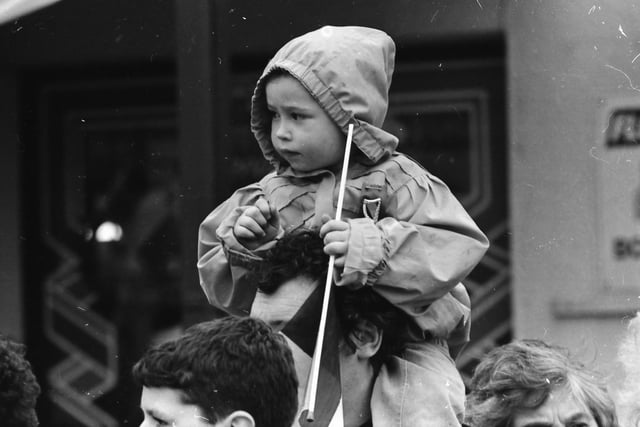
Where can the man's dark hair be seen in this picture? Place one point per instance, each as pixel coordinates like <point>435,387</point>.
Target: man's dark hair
<point>19,389</point>
<point>301,254</point>
<point>294,255</point>
<point>226,365</point>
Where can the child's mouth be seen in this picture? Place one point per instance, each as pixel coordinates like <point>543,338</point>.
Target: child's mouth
<point>289,154</point>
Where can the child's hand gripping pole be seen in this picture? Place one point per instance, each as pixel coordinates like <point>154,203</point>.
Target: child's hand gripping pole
<point>312,385</point>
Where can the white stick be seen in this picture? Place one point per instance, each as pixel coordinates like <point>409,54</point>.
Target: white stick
<point>312,385</point>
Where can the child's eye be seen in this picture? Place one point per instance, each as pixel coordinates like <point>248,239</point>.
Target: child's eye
<point>160,421</point>
<point>155,421</point>
<point>274,115</point>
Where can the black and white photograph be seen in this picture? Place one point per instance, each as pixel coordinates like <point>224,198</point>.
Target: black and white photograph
<point>304,213</point>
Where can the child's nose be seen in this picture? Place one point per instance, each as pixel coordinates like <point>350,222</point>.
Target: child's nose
<point>282,130</point>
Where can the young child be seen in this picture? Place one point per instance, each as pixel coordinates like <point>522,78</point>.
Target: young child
<point>403,232</point>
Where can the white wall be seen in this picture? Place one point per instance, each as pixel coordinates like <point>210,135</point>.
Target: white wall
<point>561,59</point>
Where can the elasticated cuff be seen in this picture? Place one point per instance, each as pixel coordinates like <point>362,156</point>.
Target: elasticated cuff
<point>365,253</point>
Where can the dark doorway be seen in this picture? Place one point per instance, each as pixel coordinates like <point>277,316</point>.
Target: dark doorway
<point>102,249</point>
<point>447,106</point>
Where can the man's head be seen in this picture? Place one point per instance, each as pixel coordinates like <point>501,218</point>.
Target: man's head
<point>372,329</point>
<point>19,389</point>
<point>298,262</point>
<point>226,372</point>
<point>529,382</point>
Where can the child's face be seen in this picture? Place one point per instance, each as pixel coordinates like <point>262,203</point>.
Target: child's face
<point>302,133</point>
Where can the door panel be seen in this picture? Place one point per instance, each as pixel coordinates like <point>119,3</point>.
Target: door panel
<point>101,188</point>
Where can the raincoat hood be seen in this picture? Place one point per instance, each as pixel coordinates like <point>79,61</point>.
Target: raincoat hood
<point>348,71</point>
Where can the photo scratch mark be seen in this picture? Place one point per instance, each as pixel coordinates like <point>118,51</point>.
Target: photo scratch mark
<point>592,154</point>
<point>621,30</point>
<point>636,88</point>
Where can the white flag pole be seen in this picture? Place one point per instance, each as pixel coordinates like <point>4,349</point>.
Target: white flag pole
<point>312,385</point>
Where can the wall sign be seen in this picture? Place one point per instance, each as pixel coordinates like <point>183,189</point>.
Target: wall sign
<point>619,196</point>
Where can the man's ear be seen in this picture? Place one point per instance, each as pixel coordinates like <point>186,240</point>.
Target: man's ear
<point>239,419</point>
<point>367,338</point>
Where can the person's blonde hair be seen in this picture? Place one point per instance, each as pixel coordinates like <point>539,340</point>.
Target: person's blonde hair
<point>522,375</point>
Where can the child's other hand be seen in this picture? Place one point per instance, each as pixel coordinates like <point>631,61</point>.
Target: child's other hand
<point>335,234</point>
<point>257,224</point>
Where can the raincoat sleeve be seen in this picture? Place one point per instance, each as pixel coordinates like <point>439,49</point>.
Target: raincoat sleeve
<point>423,247</point>
<point>222,260</point>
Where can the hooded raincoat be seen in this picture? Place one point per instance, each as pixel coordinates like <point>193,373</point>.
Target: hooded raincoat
<point>413,246</point>
<point>423,243</point>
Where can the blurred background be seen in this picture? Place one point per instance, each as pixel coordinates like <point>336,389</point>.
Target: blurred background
<point>123,124</point>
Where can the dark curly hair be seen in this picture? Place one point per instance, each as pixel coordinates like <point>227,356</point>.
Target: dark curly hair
<point>522,375</point>
<point>301,253</point>
<point>296,254</point>
<point>19,389</point>
<point>226,365</point>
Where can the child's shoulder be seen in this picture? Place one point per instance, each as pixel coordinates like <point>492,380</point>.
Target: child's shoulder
<point>398,169</point>
<point>401,161</point>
